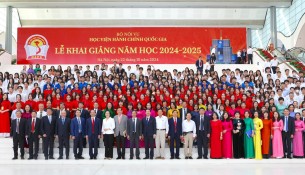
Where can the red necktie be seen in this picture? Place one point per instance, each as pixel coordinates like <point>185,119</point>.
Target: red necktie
<point>200,63</point>
<point>33,126</point>
<point>175,123</point>
<point>92,126</point>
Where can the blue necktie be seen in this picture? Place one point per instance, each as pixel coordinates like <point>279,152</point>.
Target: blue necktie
<point>63,121</point>
<point>79,126</point>
<point>286,124</point>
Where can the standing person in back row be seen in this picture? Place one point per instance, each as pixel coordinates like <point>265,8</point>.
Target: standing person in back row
<point>48,124</point>
<point>250,55</point>
<point>199,65</point>
<point>149,134</point>
<point>274,64</point>
<point>18,134</point>
<point>120,132</point>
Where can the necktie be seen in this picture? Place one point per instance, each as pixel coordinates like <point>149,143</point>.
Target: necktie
<point>40,114</point>
<point>200,63</point>
<point>147,119</point>
<point>134,125</point>
<point>17,128</point>
<point>63,121</point>
<point>92,126</point>
<point>95,110</point>
<point>120,119</point>
<point>175,124</point>
<point>49,119</point>
<point>79,125</point>
<point>33,126</point>
<point>201,123</point>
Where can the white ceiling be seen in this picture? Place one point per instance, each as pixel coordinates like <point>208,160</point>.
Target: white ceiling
<point>99,13</point>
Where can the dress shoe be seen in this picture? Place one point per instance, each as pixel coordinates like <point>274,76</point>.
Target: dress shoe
<point>22,158</point>
<point>30,158</point>
<point>123,158</point>
<point>67,158</point>
<point>190,157</point>
<point>76,158</point>
<point>35,157</point>
<point>91,158</point>
<point>51,157</point>
<point>94,158</point>
<point>177,157</point>
<point>172,158</point>
<point>206,158</point>
<point>46,158</point>
<point>199,157</point>
<point>81,157</point>
<point>162,158</point>
<point>130,158</point>
<point>158,158</point>
<point>186,157</point>
<point>146,158</point>
<point>151,158</point>
<point>138,158</point>
<point>118,158</point>
<point>14,158</point>
<point>59,158</point>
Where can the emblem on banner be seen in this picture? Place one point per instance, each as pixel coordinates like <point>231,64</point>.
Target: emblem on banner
<point>36,47</point>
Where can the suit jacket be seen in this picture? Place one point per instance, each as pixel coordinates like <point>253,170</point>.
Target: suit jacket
<point>198,65</point>
<point>206,124</point>
<point>74,127</point>
<point>57,113</point>
<point>85,114</point>
<point>97,127</point>
<point>63,130</point>
<point>149,128</point>
<point>37,127</point>
<point>138,127</point>
<point>120,128</point>
<point>99,114</point>
<point>47,127</point>
<point>171,129</point>
<point>291,127</point>
<point>22,127</point>
<point>181,113</point>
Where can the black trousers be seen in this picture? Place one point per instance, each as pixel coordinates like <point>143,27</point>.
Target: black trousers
<point>120,140</point>
<point>174,139</point>
<point>33,143</point>
<point>108,142</point>
<point>18,141</point>
<point>78,144</point>
<point>202,143</point>
<point>64,142</point>
<point>93,145</point>
<point>149,143</point>
<point>286,137</point>
<point>250,58</point>
<point>134,143</point>
<point>48,146</point>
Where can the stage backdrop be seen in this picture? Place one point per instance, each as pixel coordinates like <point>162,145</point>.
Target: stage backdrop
<point>143,45</point>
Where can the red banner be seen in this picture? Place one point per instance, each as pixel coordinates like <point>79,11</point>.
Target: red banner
<point>153,45</point>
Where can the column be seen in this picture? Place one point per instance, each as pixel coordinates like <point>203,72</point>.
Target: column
<point>273,27</point>
<point>249,37</point>
<point>9,29</point>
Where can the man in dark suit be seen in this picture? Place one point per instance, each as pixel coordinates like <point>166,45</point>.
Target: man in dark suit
<point>78,131</point>
<point>134,132</point>
<point>97,111</point>
<point>175,134</point>
<point>203,133</point>
<point>93,134</point>
<point>62,132</point>
<point>149,133</point>
<point>287,133</point>
<point>85,115</point>
<point>183,111</point>
<point>33,134</point>
<point>48,124</point>
<point>62,108</point>
<point>18,129</point>
<point>199,64</point>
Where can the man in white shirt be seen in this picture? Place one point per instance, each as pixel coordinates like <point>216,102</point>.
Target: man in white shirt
<point>189,134</point>
<point>250,55</point>
<point>18,108</point>
<point>162,131</point>
<point>274,63</point>
<point>41,112</point>
<point>11,95</point>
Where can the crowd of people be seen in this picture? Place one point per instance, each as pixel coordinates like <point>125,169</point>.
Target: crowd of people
<point>233,113</point>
